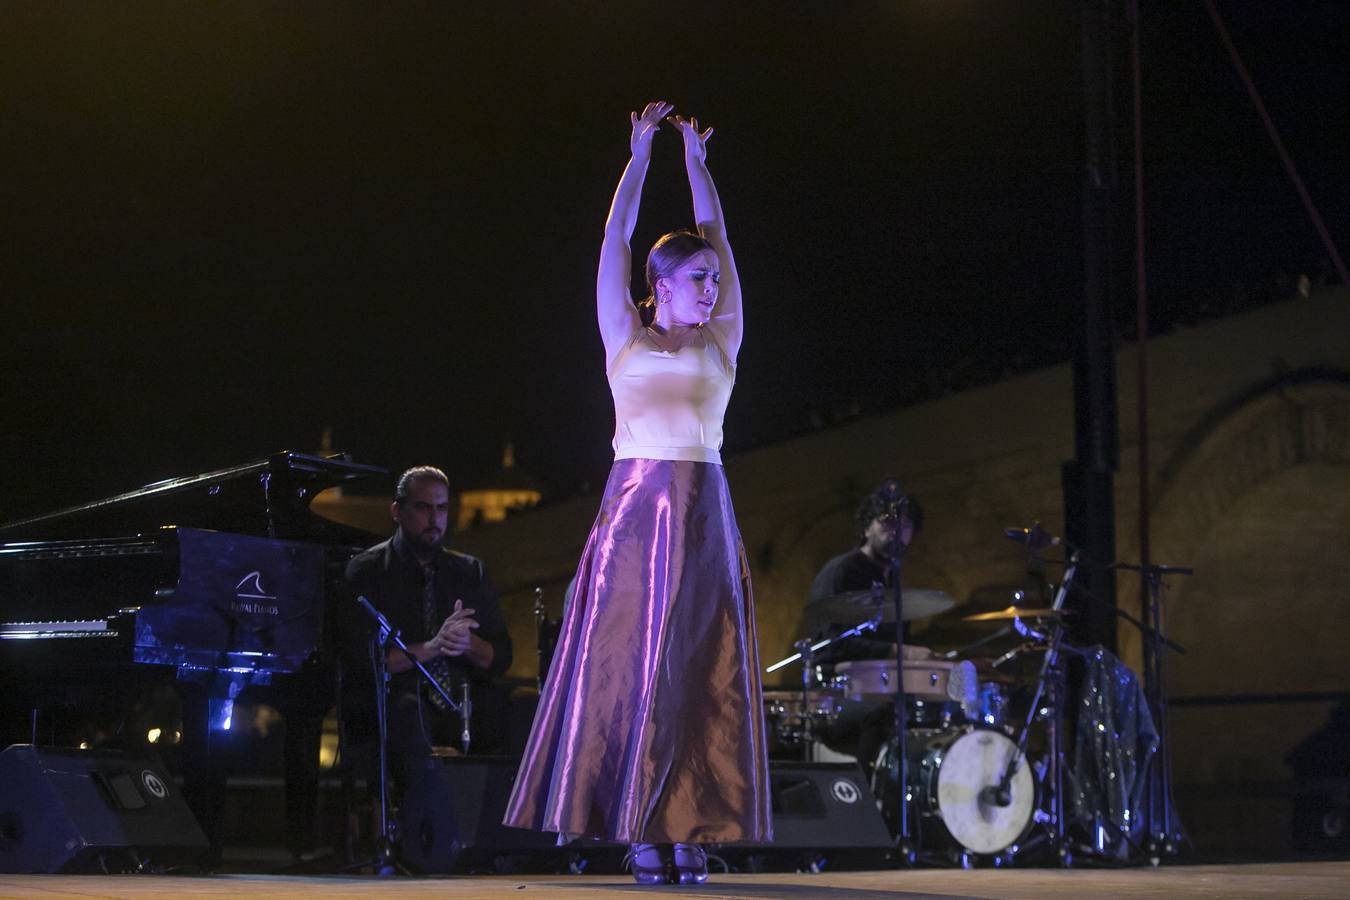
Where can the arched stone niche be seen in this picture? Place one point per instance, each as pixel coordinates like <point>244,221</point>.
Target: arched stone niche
<point>1257,500</point>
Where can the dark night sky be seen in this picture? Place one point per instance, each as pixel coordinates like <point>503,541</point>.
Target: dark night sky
<point>226,226</point>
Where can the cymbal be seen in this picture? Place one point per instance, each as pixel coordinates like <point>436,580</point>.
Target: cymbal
<point>855,606</point>
<point>1013,612</point>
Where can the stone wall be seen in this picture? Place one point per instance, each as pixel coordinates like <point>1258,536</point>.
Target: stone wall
<point>1249,471</point>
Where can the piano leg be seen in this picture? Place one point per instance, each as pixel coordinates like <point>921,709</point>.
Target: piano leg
<point>303,702</point>
<point>203,776</point>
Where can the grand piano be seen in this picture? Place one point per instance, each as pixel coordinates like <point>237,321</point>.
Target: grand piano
<point>221,582</point>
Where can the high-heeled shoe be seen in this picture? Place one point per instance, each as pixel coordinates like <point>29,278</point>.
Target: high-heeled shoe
<point>691,864</point>
<point>649,864</point>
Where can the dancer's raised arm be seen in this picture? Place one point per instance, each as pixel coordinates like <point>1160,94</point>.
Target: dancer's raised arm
<point>728,319</point>
<point>617,316</point>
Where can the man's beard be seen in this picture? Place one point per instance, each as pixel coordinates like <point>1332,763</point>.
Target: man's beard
<point>429,539</point>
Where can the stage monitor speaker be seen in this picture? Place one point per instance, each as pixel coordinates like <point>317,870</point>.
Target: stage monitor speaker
<point>824,805</point>
<point>451,818</point>
<point>821,810</point>
<point>75,811</point>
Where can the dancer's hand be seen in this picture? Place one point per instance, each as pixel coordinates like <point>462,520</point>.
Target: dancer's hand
<point>695,142</point>
<point>646,125</point>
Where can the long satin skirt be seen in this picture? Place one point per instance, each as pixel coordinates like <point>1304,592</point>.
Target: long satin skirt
<point>650,727</point>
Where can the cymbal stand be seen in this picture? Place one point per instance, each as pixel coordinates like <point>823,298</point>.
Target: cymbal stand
<point>1055,707</point>
<point>807,651</point>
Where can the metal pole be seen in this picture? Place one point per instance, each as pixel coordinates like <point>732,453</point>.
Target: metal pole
<point>1088,480</point>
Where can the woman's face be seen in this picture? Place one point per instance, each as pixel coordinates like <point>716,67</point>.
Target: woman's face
<point>691,289</point>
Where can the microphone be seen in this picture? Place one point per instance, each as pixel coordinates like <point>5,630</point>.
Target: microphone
<point>894,497</point>
<point>1035,537</point>
<point>995,795</point>
<point>376,615</point>
<point>465,712</point>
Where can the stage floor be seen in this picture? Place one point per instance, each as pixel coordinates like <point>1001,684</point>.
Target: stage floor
<point>1301,880</point>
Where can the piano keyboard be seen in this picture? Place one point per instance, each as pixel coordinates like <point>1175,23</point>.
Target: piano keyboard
<point>17,631</point>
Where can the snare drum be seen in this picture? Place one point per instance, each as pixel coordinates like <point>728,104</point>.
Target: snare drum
<point>938,692</point>
<point>948,772</point>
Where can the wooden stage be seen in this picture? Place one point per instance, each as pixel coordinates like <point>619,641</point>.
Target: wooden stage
<point>1293,880</point>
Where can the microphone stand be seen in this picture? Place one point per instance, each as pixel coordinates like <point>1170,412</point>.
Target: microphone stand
<point>963,652</point>
<point>1000,794</point>
<point>541,637</point>
<point>386,861</point>
<point>806,651</point>
<point>1167,838</point>
<point>390,635</point>
<point>1154,644</point>
<point>906,846</point>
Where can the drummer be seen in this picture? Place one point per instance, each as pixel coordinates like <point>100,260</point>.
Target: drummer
<point>866,565</point>
<point>861,729</point>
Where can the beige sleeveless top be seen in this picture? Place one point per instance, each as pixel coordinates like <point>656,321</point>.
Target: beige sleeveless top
<point>669,405</point>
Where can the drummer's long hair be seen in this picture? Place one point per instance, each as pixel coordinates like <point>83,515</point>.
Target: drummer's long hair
<point>878,503</point>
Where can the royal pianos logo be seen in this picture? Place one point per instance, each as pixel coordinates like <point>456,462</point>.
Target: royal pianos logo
<point>251,598</point>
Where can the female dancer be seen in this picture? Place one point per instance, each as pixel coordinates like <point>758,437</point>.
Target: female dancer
<point>650,726</point>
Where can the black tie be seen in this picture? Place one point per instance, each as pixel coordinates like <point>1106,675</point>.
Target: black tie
<point>438,667</point>
<point>429,622</point>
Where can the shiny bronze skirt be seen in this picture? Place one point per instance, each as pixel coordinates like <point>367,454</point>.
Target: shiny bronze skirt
<point>650,726</point>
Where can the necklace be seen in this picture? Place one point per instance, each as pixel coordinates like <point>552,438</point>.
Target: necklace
<point>667,342</point>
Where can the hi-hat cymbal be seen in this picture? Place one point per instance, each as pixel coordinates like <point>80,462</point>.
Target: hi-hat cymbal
<point>856,606</point>
<point>1013,612</point>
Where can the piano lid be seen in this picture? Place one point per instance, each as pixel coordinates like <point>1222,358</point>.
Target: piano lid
<point>267,497</point>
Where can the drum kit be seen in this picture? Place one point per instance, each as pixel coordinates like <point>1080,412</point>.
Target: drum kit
<point>978,774</point>
<point>975,768</point>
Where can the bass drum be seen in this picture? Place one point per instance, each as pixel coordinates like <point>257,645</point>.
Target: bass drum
<point>948,770</point>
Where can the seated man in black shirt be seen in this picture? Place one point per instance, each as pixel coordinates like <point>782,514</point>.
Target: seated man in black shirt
<point>862,727</point>
<point>448,614</point>
<point>863,567</point>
